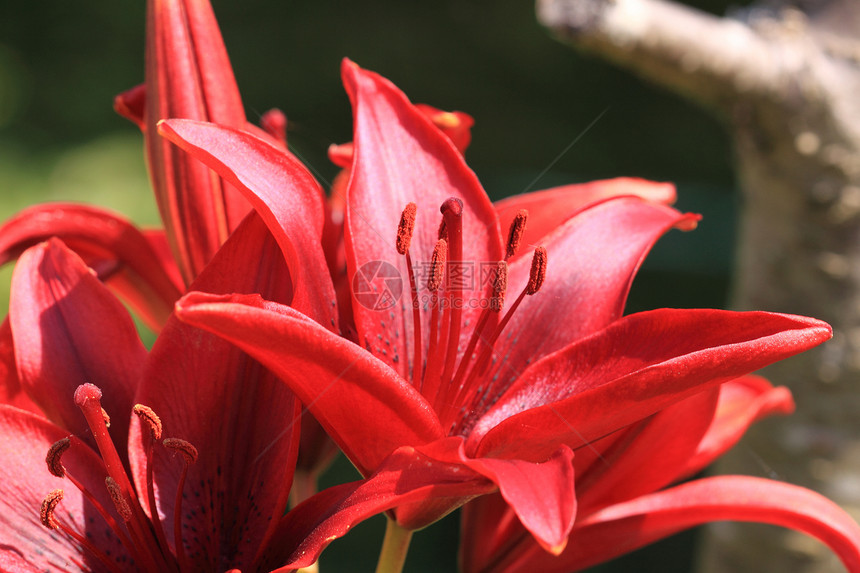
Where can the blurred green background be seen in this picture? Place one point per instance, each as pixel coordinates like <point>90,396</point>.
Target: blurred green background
<point>545,115</point>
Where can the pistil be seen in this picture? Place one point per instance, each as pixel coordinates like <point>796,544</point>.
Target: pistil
<point>88,399</point>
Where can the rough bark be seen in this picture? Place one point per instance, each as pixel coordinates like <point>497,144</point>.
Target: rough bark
<point>786,80</point>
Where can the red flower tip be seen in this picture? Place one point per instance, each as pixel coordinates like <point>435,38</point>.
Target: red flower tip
<point>85,393</point>
<point>274,122</point>
<point>406,228</point>
<point>689,222</point>
<point>341,155</point>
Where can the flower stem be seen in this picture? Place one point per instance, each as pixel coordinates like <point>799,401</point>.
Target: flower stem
<point>394,548</point>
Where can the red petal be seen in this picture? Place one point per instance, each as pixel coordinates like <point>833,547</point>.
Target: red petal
<point>11,390</point>
<point>240,417</point>
<point>742,402</point>
<point>632,369</point>
<point>406,477</point>
<point>26,544</point>
<point>592,261</point>
<point>401,157</point>
<point>188,75</point>
<point>550,208</point>
<point>285,195</point>
<point>622,528</point>
<point>629,468</point>
<point>69,329</point>
<point>147,280</point>
<point>364,405</point>
<point>541,494</point>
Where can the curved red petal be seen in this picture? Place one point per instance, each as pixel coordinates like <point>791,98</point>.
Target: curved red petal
<point>630,467</point>
<point>549,208</point>
<point>406,477</point>
<point>146,279</point>
<point>284,194</point>
<point>632,369</point>
<point>401,158</point>
<point>368,410</point>
<point>240,417</point>
<point>69,329</point>
<point>742,402</point>
<point>11,391</point>
<point>622,528</point>
<point>540,494</point>
<point>26,544</point>
<point>592,260</point>
<point>188,75</point>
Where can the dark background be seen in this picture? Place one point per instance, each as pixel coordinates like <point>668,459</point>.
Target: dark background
<point>61,63</point>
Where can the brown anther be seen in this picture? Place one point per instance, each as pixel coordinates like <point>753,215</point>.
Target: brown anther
<point>54,457</point>
<point>405,228</point>
<point>500,286</point>
<point>119,501</point>
<point>106,418</point>
<point>437,265</point>
<point>49,505</point>
<point>515,233</point>
<point>443,231</point>
<point>150,418</point>
<point>188,451</point>
<point>537,274</point>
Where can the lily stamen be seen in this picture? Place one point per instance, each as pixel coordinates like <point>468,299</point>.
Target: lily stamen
<point>150,419</point>
<point>515,233</point>
<point>404,240</point>
<point>434,283</point>
<point>57,469</point>
<point>537,275</point>
<point>189,454</point>
<point>47,515</point>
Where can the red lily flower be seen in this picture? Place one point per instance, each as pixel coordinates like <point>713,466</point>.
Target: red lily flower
<point>453,396</point>
<point>235,419</point>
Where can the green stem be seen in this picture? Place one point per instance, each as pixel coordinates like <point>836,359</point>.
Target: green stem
<point>394,548</point>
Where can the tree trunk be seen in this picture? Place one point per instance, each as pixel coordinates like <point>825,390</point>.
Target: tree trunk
<point>786,80</point>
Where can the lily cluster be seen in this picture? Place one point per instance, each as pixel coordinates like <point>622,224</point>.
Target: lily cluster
<point>523,395</point>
